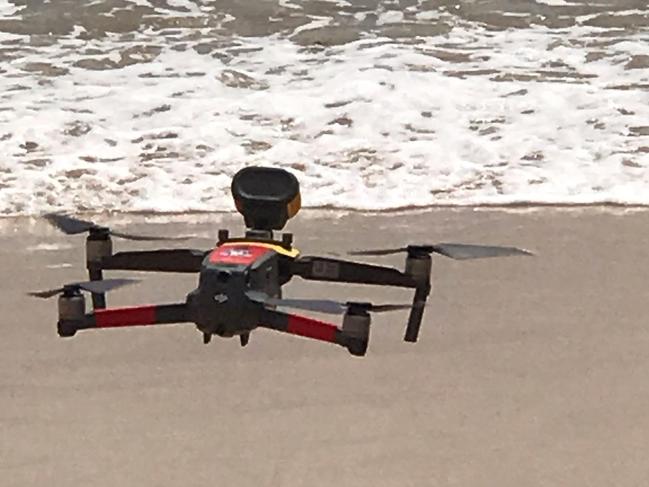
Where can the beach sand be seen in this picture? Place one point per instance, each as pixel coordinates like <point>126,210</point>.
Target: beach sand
<point>529,371</point>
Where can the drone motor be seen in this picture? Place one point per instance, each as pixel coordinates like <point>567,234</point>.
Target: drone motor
<point>356,325</point>
<point>72,307</point>
<point>98,246</point>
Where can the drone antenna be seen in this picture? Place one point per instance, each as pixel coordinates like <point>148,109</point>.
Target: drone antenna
<point>223,236</point>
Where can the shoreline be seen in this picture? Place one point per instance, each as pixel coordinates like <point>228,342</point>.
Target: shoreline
<point>338,210</point>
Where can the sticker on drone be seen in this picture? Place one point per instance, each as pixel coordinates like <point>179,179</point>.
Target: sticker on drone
<point>325,269</point>
<point>235,252</point>
<point>240,255</point>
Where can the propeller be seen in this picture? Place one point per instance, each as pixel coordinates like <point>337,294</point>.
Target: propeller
<point>325,305</point>
<point>90,286</point>
<point>72,226</point>
<point>452,250</point>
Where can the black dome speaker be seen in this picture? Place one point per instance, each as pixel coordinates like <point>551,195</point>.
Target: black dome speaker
<point>266,197</point>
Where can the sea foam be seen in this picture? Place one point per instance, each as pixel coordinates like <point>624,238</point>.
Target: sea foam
<point>158,120</point>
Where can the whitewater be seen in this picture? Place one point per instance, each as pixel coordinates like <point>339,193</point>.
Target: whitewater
<point>154,105</point>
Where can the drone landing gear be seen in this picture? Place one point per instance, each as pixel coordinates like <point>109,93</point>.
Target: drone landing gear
<point>98,246</point>
<point>244,338</point>
<point>418,266</point>
<point>353,336</point>
<point>72,317</point>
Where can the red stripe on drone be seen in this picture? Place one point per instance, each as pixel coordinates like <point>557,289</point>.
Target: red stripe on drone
<point>310,328</point>
<point>243,254</point>
<point>132,316</point>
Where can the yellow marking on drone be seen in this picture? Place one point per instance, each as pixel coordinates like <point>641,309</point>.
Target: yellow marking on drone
<point>293,253</point>
<point>294,206</point>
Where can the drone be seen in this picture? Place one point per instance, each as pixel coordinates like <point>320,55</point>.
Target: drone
<point>240,280</point>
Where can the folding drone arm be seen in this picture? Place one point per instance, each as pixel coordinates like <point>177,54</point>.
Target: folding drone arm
<point>99,257</point>
<point>311,328</point>
<point>417,276</point>
<point>160,314</point>
<point>165,260</point>
<point>336,270</point>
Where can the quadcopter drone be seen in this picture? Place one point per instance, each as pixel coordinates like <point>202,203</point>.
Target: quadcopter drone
<point>240,280</point>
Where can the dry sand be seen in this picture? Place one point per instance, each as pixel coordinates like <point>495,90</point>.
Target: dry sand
<point>528,372</point>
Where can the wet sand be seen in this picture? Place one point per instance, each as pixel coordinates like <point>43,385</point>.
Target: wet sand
<point>528,372</point>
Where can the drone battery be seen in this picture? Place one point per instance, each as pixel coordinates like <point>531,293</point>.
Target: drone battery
<point>356,327</point>
<point>266,197</point>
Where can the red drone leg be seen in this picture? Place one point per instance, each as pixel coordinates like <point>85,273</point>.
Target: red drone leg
<point>304,327</point>
<point>137,316</point>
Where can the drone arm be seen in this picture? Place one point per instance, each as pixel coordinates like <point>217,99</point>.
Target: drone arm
<point>301,325</point>
<point>100,258</point>
<point>308,328</point>
<point>160,314</point>
<point>128,316</point>
<point>165,260</point>
<point>326,269</point>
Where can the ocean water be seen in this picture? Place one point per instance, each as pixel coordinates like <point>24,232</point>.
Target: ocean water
<point>153,105</point>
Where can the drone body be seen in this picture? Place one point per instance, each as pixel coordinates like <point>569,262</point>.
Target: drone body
<point>219,305</point>
<point>240,280</point>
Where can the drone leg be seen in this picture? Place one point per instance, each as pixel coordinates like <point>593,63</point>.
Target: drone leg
<point>244,338</point>
<point>98,246</point>
<point>207,338</point>
<point>98,299</point>
<point>140,315</point>
<point>120,317</point>
<point>418,266</point>
<point>416,314</point>
<point>310,328</point>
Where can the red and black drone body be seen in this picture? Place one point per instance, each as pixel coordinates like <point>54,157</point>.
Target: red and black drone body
<point>240,280</point>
